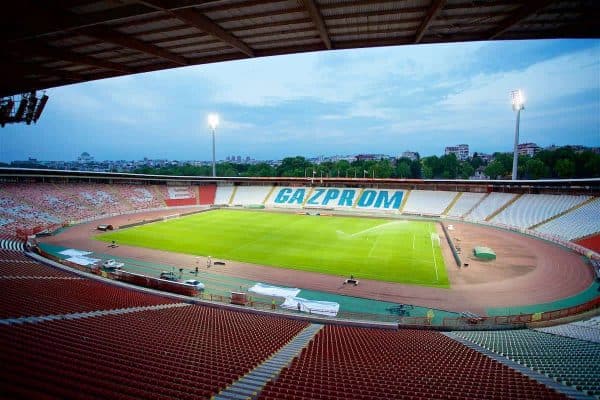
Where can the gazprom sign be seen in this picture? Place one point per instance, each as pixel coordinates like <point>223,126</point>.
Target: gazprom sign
<point>382,199</point>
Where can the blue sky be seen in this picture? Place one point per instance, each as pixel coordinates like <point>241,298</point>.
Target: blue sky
<point>380,100</point>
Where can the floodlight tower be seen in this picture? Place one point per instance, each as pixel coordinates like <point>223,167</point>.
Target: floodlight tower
<point>213,122</point>
<point>518,104</point>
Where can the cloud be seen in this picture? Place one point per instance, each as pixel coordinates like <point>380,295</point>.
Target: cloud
<point>124,100</point>
<point>382,100</point>
<point>338,76</point>
<point>541,82</point>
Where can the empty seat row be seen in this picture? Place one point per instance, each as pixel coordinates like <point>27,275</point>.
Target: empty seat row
<point>346,362</point>
<point>570,361</point>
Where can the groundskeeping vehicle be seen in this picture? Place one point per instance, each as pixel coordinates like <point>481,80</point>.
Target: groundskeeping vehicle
<point>169,276</point>
<point>195,283</point>
<point>112,265</point>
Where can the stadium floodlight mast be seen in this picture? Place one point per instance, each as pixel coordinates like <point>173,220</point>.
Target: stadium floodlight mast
<point>518,104</point>
<point>213,122</point>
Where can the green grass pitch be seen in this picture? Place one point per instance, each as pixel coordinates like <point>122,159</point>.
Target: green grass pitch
<point>368,248</point>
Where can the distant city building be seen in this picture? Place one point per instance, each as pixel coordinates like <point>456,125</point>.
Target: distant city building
<point>371,157</point>
<point>412,155</point>
<point>461,151</point>
<point>337,158</point>
<point>85,158</point>
<point>486,158</point>
<point>528,149</point>
<point>479,174</point>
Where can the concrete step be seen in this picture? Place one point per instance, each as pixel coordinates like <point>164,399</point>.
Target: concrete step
<point>254,381</point>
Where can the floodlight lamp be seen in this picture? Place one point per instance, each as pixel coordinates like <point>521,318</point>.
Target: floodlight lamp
<point>213,121</point>
<point>518,100</point>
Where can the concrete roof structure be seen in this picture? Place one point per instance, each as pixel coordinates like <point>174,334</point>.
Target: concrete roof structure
<point>48,44</point>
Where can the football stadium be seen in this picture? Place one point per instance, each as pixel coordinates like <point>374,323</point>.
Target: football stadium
<point>139,286</point>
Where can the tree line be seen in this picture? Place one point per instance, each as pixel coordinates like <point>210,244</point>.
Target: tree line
<point>562,163</point>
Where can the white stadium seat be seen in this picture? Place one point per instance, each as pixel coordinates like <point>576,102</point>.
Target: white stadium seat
<point>531,209</point>
<point>428,202</point>
<point>580,222</point>
<point>464,203</point>
<point>489,205</point>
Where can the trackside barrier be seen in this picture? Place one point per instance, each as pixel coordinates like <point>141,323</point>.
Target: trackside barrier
<point>584,251</point>
<point>451,244</point>
<point>516,321</point>
<point>461,323</point>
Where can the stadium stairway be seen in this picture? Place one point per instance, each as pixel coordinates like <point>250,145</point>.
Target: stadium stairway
<point>10,244</point>
<point>475,206</point>
<point>88,314</point>
<point>250,385</point>
<point>575,207</point>
<point>569,391</point>
<point>452,203</point>
<point>504,207</point>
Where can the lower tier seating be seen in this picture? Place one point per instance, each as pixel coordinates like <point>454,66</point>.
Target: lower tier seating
<point>357,363</point>
<point>189,352</point>
<point>570,361</point>
<point>37,297</point>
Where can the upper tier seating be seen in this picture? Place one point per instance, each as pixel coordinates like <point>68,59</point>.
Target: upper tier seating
<point>580,222</point>
<point>39,206</point>
<point>223,195</point>
<point>493,202</point>
<point>428,202</point>
<point>358,363</point>
<point>464,203</point>
<point>179,195</point>
<point>570,361</point>
<point>531,209</point>
<point>27,206</point>
<point>251,195</point>
<point>140,197</point>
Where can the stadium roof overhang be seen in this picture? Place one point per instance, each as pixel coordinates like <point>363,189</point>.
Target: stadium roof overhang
<point>47,44</point>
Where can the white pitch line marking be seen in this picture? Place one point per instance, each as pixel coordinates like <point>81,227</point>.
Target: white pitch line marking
<point>434,260</point>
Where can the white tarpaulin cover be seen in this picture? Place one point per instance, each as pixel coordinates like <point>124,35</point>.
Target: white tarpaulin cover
<point>75,253</point>
<point>269,290</point>
<point>82,260</point>
<point>328,308</point>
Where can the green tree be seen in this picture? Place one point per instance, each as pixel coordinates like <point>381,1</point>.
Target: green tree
<point>261,169</point>
<point>449,166</point>
<point>476,161</point>
<point>466,170</point>
<point>591,168</point>
<point>565,168</point>
<point>495,170</point>
<point>415,169</point>
<point>535,169</point>
<point>431,167</point>
<point>383,169</point>
<point>403,169</point>
<point>293,166</point>
<point>427,171</point>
